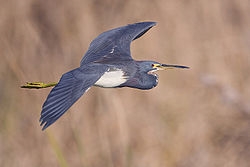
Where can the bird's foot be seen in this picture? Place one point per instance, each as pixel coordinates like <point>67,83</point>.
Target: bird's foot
<point>38,85</point>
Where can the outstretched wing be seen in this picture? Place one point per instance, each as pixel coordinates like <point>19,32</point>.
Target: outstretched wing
<point>70,88</point>
<point>115,43</point>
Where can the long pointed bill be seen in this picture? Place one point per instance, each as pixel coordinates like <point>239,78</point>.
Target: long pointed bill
<point>168,66</point>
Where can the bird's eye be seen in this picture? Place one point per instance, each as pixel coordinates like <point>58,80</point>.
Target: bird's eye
<point>152,65</point>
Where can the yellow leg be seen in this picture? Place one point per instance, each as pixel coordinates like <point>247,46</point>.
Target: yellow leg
<point>38,85</point>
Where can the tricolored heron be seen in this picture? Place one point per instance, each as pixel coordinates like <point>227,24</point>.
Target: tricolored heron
<point>107,63</point>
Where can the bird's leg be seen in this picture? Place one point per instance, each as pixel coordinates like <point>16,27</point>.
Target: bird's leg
<point>38,85</point>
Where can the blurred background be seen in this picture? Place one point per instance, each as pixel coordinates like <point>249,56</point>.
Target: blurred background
<point>194,118</point>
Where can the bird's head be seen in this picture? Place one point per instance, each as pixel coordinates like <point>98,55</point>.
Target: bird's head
<point>152,66</point>
<point>145,77</point>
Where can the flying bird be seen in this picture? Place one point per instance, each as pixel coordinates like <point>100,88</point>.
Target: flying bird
<point>108,64</point>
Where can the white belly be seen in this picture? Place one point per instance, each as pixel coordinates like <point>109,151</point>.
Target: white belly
<point>112,79</point>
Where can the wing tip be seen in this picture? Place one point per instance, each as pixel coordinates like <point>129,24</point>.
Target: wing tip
<point>146,23</point>
<point>44,123</point>
<point>142,28</point>
<point>45,126</point>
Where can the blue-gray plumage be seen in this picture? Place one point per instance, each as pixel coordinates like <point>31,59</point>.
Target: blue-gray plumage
<point>107,63</point>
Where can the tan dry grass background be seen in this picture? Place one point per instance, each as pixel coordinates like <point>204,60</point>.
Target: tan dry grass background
<point>194,118</point>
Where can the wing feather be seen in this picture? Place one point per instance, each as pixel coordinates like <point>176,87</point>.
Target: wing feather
<point>70,88</point>
<point>116,42</point>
